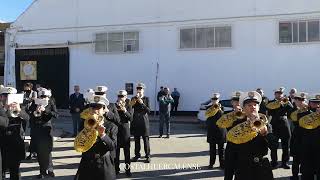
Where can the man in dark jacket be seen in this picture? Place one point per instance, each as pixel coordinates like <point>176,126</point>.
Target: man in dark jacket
<point>76,103</point>
<point>140,123</point>
<point>281,127</point>
<point>97,162</point>
<point>13,144</point>
<point>215,135</point>
<point>165,101</point>
<point>43,111</point>
<point>125,115</point>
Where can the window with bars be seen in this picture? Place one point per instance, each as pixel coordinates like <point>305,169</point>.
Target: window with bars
<point>299,31</point>
<point>117,42</point>
<point>205,37</point>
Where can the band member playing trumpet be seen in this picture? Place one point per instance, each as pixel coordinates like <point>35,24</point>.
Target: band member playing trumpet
<point>215,135</point>
<point>309,122</point>
<point>96,161</point>
<point>125,115</point>
<point>165,102</point>
<point>250,140</point>
<point>43,112</point>
<point>12,143</point>
<point>228,121</point>
<point>140,122</point>
<point>295,141</point>
<point>279,108</point>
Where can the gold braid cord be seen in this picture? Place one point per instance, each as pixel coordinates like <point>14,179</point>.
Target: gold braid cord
<point>310,121</point>
<point>211,111</point>
<point>294,115</point>
<point>227,120</point>
<point>243,132</point>
<point>88,136</point>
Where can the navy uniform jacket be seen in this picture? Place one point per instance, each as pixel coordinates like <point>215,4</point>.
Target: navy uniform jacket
<point>279,121</point>
<point>140,122</point>
<point>97,162</point>
<point>4,121</point>
<point>123,127</point>
<point>214,133</point>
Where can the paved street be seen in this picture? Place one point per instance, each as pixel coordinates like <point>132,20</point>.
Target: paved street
<point>183,156</point>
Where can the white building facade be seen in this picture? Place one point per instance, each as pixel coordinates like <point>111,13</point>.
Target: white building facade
<point>200,47</point>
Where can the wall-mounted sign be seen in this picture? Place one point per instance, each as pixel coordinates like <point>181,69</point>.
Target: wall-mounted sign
<point>129,88</point>
<point>28,70</point>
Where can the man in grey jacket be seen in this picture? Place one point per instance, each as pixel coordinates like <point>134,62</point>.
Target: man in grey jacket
<point>165,102</point>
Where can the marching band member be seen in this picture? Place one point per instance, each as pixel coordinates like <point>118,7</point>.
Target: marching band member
<point>250,139</point>
<point>279,108</point>
<point>295,142</point>
<point>140,122</point>
<point>12,143</point>
<point>215,135</point>
<point>309,122</point>
<point>97,162</point>
<point>228,121</point>
<point>165,101</point>
<point>264,102</point>
<point>43,111</point>
<point>125,116</point>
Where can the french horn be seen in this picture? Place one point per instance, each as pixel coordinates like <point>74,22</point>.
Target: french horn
<point>88,136</point>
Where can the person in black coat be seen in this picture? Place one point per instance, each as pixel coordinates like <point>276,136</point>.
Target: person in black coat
<point>13,142</point>
<point>43,112</point>
<point>215,135</point>
<point>97,162</point>
<point>264,102</point>
<point>4,121</point>
<point>295,141</point>
<point>125,115</point>
<point>251,141</point>
<point>281,127</point>
<point>310,135</point>
<point>76,104</point>
<point>229,123</point>
<point>140,123</point>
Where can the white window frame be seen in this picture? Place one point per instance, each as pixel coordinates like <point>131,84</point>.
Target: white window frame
<point>204,26</point>
<point>298,29</point>
<point>123,45</point>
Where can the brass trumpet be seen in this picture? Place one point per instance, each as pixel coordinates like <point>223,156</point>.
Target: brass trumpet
<point>259,122</point>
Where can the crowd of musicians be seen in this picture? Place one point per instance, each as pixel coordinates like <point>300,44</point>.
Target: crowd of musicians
<point>250,129</point>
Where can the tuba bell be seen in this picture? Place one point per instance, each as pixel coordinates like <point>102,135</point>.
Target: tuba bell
<point>259,122</point>
<point>88,136</point>
<point>13,112</point>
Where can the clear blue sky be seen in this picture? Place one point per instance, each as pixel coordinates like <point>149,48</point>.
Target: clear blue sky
<point>11,9</point>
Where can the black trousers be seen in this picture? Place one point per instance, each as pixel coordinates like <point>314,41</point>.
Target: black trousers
<point>230,162</point>
<point>174,107</point>
<point>126,151</point>
<point>137,147</point>
<point>285,149</point>
<point>13,166</point>
<point>213,153</point>
<point>296,165</point>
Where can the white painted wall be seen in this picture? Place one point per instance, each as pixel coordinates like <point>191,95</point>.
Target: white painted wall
<point>255,60</point>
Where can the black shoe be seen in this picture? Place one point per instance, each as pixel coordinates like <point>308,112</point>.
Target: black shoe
<point>148,160</point>
<point>40,176</point>
<point>128,173</point>
<point>117,172</point>
<point>51,174</point>
<point>168,136</point>
<point>210,166</point>
<point>135,159</point>
<point>274,165</point>
<point>29,157</point>
<point>160,136</point>
<point>294,178</point>
<point>285,166</point>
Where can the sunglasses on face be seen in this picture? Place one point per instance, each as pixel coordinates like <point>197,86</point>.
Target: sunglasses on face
<point>99,93</point>
<point>120,96</point>
<point>43,96</point>
<point>214,99</point>
<point>139,88</point>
